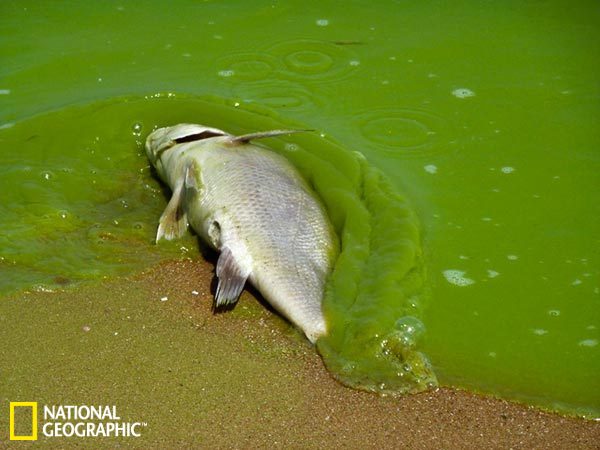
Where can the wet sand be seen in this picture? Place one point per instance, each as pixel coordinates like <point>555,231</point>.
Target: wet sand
<point>332,415</point>
<point>151,345</point>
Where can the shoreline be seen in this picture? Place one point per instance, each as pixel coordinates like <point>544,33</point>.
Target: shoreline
<point>241,378</point>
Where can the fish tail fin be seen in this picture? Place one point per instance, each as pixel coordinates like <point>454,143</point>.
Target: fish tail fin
<point>245,138</point>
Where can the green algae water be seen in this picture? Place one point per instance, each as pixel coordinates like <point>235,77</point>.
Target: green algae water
<point>99,208</point>
<point>483,115</point>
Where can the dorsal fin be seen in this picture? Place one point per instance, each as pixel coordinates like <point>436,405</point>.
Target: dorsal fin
<point>245,138</point>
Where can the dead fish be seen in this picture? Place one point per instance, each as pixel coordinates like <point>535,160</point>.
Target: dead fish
<point>254,207</point>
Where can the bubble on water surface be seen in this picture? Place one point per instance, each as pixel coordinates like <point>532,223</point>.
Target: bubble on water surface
<point>457,277</point>
<point>405,131</point>
<point>492,273</point>
<point>322,22</point>
<point>136,129</point>
<point>539,331</point>
<point>507,169</point>
<point>430,168</point>
<point>354,62</point>
<point>7,125</point>
<point>161,95</point>
<point>512,257</point>
<point>576,282</point>
<point>463,93</point>
<point>4,91</point>
<point>409,330</point>
<point>554,312</point>
<point>226,73</point>
<point>588,343</point>
<point>42,288</point>
<point>47,175</point>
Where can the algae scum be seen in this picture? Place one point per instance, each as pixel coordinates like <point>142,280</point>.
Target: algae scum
<point>102,207</point>
<point>484,119</point>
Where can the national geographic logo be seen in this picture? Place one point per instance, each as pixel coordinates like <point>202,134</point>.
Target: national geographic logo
<point>16,407</point>
<point>82,421</point>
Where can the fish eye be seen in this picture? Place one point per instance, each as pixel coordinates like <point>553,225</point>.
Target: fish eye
<point>197,136</point>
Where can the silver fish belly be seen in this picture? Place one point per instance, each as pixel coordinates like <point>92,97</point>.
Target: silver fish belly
<point>253,206</point>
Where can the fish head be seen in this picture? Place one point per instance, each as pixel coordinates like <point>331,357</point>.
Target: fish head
<point>161,140</point>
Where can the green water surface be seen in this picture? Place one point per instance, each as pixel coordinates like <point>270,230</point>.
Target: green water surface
<point>485,115</point>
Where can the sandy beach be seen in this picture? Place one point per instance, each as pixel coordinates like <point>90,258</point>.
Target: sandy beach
<point>151,345</point>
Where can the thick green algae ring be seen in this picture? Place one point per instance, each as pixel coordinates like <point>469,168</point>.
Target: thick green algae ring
<point>374,296</point>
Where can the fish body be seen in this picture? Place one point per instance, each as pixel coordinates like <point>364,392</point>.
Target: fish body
<point>251,205</point>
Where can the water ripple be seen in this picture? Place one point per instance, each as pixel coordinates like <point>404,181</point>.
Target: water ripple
<point>277,94</point>
<point>249,66</point>
<point>405,131</point>
<point>313,60</point>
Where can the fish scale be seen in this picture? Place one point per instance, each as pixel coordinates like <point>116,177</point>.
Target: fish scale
<point>253,206</point>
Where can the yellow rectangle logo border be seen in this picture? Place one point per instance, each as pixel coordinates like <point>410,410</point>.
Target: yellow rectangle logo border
<point>34,420</point>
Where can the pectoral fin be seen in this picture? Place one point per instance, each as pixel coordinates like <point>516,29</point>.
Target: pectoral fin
<point>173,221</point>
<point>231,278</point>
<point>192,177</point>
